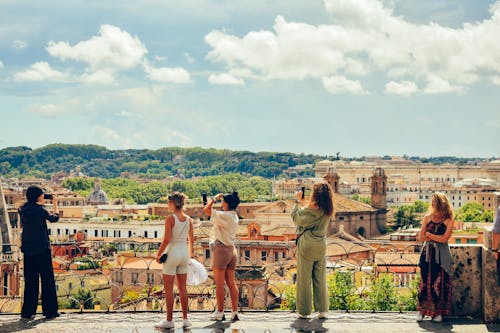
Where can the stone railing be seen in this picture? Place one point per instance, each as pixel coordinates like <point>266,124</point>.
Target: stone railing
<point>133,282</point>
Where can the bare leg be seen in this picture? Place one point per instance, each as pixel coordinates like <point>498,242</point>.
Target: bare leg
<point>168,284</point>
<point>181,285</point>
<point>233,290</point>
<point>219,276</point>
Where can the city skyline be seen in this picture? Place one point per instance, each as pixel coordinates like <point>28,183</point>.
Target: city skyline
<point>417,78</point>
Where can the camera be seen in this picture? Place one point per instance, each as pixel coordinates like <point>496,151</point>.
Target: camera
<point>303,189</point>
<point>204,197</point>
<point>48,196</point>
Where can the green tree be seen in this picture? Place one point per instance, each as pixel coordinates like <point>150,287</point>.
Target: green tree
<point>341,291</point>
<point>474,212</point>
<point>407,215</point>
<point>289,298</point>
<point>383,295</point>
<point>83,298</point>
<point>366,200</point>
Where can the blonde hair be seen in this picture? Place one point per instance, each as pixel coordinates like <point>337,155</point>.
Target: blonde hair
<point>441,205</point>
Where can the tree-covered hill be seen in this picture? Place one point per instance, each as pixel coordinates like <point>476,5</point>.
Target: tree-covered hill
<point>98,161</point>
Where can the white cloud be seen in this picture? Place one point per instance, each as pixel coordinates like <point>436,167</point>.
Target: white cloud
<point>366,37</point>
<point>225,79</point>
<point>404,88</point>
<point>166,74</point>
<point>341,85</point>
<point>40,71</point>
<point>112,49</point>
<point>437,85</point>
<point>128,114</point>
<point>108,135</point>
<point>47,110</point>
<point>19,44</point>
<point>189,58</point>
<point>495,80</point>
<point>99,77</point>
<point>159,58</point>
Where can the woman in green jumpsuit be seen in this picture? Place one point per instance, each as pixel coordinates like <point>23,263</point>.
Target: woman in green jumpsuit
<point>312,223</point>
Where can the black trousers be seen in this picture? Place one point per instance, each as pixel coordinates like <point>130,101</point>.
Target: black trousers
<point>39,267</point>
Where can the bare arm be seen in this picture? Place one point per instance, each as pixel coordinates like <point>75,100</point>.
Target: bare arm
<point>208,208</point>
<point>495,243</point>
<point>169,222</point>
<point>191,238</point>
<point>442,238</point>
<point>55,210</point>
<point>423,230</point>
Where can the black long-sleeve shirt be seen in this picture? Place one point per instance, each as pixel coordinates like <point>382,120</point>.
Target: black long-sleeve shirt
<point>35,236</point>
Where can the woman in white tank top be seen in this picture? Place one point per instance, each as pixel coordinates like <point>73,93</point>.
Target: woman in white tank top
<point>178,229</point>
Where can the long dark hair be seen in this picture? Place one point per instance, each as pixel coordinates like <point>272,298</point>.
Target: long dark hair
<point>322,195</point>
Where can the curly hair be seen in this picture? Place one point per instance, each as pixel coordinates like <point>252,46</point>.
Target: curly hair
<point>178,199</point>
<point>322,195</point>
<point>441,204</point>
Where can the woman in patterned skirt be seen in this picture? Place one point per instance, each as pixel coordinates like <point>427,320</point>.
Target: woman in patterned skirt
<point>434,292</point>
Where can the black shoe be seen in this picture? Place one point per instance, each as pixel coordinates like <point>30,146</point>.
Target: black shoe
<point>28,317</point>
<point>52,316</point>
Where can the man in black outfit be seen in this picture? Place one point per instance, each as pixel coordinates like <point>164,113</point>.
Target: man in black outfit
<point>35,246</point>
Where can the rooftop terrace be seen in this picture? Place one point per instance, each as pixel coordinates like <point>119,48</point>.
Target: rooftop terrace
<point>251,322</point>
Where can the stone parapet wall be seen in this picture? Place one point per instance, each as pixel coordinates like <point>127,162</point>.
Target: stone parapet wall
<point>490,282</point>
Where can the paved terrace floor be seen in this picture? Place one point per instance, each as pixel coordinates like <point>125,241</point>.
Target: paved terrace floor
<point>251,322</point>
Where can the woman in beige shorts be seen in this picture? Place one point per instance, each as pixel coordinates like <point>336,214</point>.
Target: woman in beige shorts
<point>225,225</point>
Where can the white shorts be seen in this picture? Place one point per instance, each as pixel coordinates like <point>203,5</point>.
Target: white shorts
<point>177,260</point>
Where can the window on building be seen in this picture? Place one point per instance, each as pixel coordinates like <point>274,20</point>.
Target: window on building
<point>207,253</point>
<point>263,256</point>
<point>341,218</point>
<point>458,241</point>
<point>247,254</point>
<point>66,232</point>
<point>96,233</point>
<point>276,256</point>
<point>472,241</point>
<point>129,233</point>
<point>156,234</point>
<point>361,217</point>
<point>134,278</point>
<point>119,276</point>
<point>145,234</point>
<point>150,278</point>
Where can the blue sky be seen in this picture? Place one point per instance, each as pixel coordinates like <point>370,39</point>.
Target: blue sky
<point>357,77</point>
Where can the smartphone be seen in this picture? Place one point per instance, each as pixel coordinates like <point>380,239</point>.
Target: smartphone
<point>47,196</point>
<point>303,189</point>
<point>204,196</point>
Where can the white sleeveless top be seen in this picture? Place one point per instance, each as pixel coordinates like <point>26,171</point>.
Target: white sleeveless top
<point>180,231</point>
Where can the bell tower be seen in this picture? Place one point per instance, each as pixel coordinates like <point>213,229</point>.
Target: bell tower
<point>332,178</point>
<point>379,199</point>
<point>379,189</point>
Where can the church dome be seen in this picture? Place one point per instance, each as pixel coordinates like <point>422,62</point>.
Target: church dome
<point>97,196</point>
